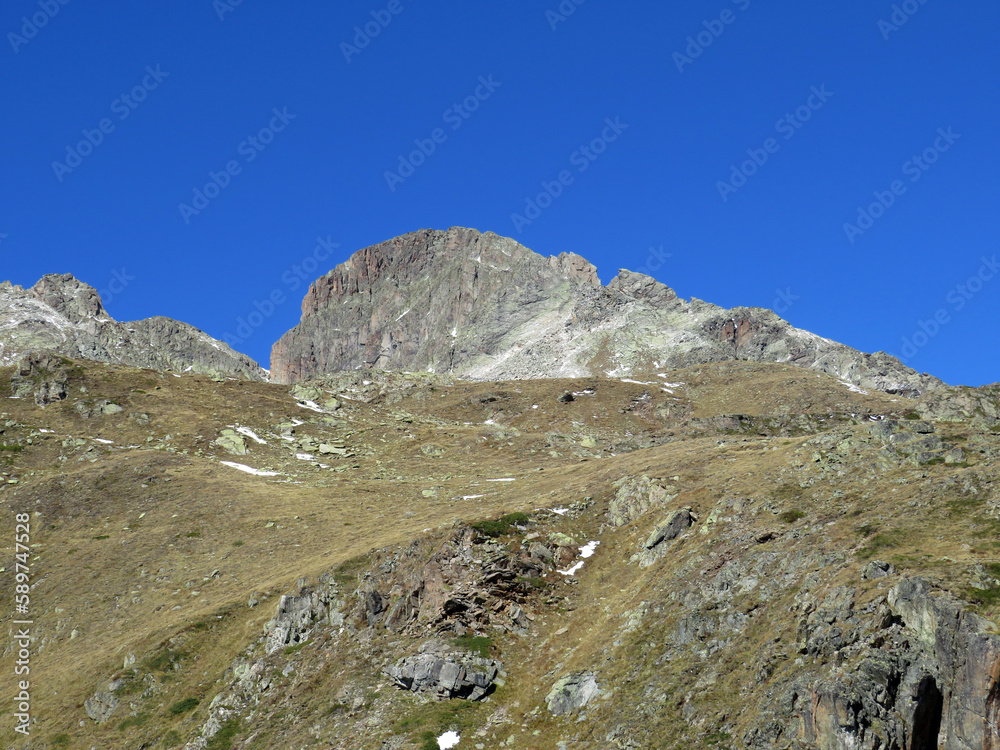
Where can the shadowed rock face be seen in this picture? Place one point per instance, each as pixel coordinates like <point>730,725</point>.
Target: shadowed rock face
<point>484,307</point>
<point>64,315</point>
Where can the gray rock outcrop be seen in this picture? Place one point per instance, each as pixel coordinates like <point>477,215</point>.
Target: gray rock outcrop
<point>40,376</point>
<point>444,673</point>
<point>483,307</point>
<point>62,314</point>
<point>101,705</point>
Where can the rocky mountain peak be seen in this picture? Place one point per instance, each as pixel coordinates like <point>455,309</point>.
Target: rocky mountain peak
<point>70,297</point>
<point>64,315</point>
<point>481,306</point>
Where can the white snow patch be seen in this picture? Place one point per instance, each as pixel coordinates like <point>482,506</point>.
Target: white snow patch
<point>448,740</point>
<point>489,421</point>
<point>505,479</point>
<point>560,511</point>
<point>454,332</point>
<point>311,405</point>
<point>44,430</point>
<point>586,551</point>
<point>305,457</point>
<point>403,315</point>
<point>472,497</point>
<point>250,434</point>
<point>175,374</point>
<point>249,469</point>
<point>534,406</point>
<point>106,442</point>
<point>636,382</point>
<point>853,388</point>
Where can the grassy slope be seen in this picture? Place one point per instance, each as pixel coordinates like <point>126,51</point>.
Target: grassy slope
<point>127,533</point>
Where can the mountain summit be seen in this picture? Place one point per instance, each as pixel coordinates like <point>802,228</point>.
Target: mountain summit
<point>64,315</point>
<point>484,307</point>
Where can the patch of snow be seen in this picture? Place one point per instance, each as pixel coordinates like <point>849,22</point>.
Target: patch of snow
<point>506,479</point>
<point>305,457</point>
<point>311,405</point>
<point>588,392</point>
<point>403,315</point>
<point>853,388</point>
<point>448,740</point>
<point>454,332</point>
<point>586,551</point>
<point>560,511</point>
<point>635,382</point>
<point>571,571</point>
<point>175,374</point>
<point>101,440</point>
<point>251,434</point>
<point>534,406</point>
<point>472,497</point>
<point>188,368</point>
<point>44,430</point>
<point>489,421</point>
<point>296,422</point>
<point>249,469</point>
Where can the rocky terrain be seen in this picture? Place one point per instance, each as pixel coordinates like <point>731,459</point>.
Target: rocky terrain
<point>734,554</point>
<point>64,315</point>
<point>483,307</point>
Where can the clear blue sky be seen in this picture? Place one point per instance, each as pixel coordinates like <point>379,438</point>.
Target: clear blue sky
<point>864,100</point>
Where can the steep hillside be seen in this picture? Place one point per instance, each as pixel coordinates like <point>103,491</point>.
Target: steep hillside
<point>729,555</point>
<point>64,315</point>
<point>483,307</point>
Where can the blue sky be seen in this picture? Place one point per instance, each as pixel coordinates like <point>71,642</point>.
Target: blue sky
<point>836,161</point>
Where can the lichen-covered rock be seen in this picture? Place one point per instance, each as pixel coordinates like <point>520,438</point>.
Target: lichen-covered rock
<point>571,693</point>
<point>231,442</point>
<point>101,705</point>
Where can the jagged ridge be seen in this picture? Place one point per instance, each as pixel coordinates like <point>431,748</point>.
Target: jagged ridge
<point>65,315</point>
<point>483,307</point>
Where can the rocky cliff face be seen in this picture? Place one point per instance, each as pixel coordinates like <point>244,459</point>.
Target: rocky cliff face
<point>483,307</point>
<point>64,315</point>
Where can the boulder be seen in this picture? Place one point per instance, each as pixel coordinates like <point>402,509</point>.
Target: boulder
<point>101,705</point>
<point>571,693</point>
<point>439,671</point>
<point>231,442</point>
